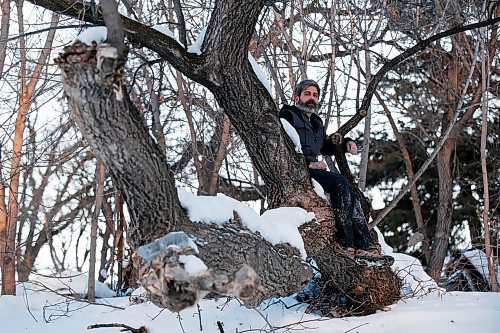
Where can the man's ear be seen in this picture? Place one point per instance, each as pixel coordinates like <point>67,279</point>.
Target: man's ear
<point>296,99</point>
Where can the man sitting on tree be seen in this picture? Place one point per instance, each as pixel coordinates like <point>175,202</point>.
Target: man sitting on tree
<point>353,236</point>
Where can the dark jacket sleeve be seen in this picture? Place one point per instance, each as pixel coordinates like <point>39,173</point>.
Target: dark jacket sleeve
<point>329,147</point>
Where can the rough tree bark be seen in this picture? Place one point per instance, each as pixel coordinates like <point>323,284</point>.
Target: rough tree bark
<point>240,263</point>
<point>115,129</point>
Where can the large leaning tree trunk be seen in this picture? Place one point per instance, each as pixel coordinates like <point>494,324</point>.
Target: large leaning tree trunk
<point>240,263</point>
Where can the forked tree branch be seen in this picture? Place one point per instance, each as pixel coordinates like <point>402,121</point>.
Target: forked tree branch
<point>391,64</point>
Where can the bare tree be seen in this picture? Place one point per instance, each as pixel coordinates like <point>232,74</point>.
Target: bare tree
<point>125,146</point>
<point>8,227</point>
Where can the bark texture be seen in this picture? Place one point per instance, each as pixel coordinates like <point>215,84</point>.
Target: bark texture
<point>116,132</point>
<point>113,127</point>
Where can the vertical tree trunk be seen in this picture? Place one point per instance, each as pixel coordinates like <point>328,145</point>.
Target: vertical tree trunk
<point>221,154</point>
<point>492,266</point>
<point>363,167</point>
<point>445,209</point>
<point>4,33</point>
<point>120,243</point>
<point>99,189</point>
<point>26,94</point>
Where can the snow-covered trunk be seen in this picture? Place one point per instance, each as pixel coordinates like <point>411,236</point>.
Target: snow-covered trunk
<point>240,263</point>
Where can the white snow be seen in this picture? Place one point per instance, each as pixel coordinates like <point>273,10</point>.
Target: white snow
<point>42,305</point>
<point>196,47</point>
<point>46,312</point>
<point>415,281</point>
<point>318,189</point>
<point>103,273</point>
<point>163,28</point>
<point>260,74</point>
<point>292,133</point>
<point>70,283</point>
<point>193,265</point>
<point>97,34</point>
<point>479,260</point>
<point>275,225</point>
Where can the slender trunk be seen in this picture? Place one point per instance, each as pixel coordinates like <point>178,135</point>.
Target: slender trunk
<point>26,93</point>
<point>100,177</point>
<point>3,215</point>
<point>445,209</point>
<point>8,271</point>
<point>363,167</point>
<point>221,153</point>
<point>492,267</point>
<point>4,33</point>
<point>105,263</point>
<point>192,131</point>
<point>120,241</point>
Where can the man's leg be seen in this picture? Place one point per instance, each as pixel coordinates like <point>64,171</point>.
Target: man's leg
<point>361,233</point>
<point>338,187</point>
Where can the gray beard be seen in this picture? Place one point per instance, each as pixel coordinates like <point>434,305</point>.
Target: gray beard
<point>307,108</point>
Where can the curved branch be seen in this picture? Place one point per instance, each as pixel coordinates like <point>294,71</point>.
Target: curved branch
<point>372,86</point>
<point>168,48</point>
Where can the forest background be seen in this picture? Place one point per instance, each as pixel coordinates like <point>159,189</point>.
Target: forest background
<point>58,201</point>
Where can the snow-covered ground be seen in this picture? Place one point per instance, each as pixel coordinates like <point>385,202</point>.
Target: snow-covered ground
<point>43,305</point>
<point>43,311</point>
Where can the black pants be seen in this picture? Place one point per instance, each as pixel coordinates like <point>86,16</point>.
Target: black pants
<point>352,229</point>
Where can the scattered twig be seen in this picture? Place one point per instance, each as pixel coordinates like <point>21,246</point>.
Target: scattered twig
<point>356,327</point>
<point>220,325</point>
<point>180,322</point>
<point>199,316</point>
<point>142,329</point>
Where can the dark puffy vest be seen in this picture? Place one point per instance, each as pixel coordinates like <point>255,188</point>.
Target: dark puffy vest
<point>311,131</point>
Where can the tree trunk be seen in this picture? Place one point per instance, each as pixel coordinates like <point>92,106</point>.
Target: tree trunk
<point>99,197</point>
<point>115,130</point>
<point>443,227</point>
<point>4,33</point>
<point>114,127</point>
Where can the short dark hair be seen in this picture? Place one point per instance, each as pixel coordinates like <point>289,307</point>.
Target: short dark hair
<point>303,85</point>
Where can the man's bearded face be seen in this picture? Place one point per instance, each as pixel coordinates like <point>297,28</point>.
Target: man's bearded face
<point>308,101</point>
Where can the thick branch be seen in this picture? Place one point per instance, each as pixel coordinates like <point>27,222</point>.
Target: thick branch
<point>188,63</point>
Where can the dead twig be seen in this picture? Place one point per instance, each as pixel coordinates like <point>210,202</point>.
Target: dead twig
<point>142,329</point>
<point>220,326</point>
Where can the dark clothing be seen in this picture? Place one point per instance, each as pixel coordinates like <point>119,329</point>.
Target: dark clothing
<point>352,230</point>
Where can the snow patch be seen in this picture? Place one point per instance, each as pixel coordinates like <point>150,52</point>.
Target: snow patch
<point>93,34</point>
<point>292,133</point>
<point>318,189</point>
<point>480,261</point>
<point>416,282</point>
<point>196,47</point>
<point>163,28</point>
<point>71,283</point>
<point>193,265</point>
<point>275,225</point>
<point>260,74</point>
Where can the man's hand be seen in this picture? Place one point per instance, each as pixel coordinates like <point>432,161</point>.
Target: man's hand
<point>318,165</point>
<point>351,147</point>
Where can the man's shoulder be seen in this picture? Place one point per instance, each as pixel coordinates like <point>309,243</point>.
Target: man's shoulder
<point>287,109</point>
